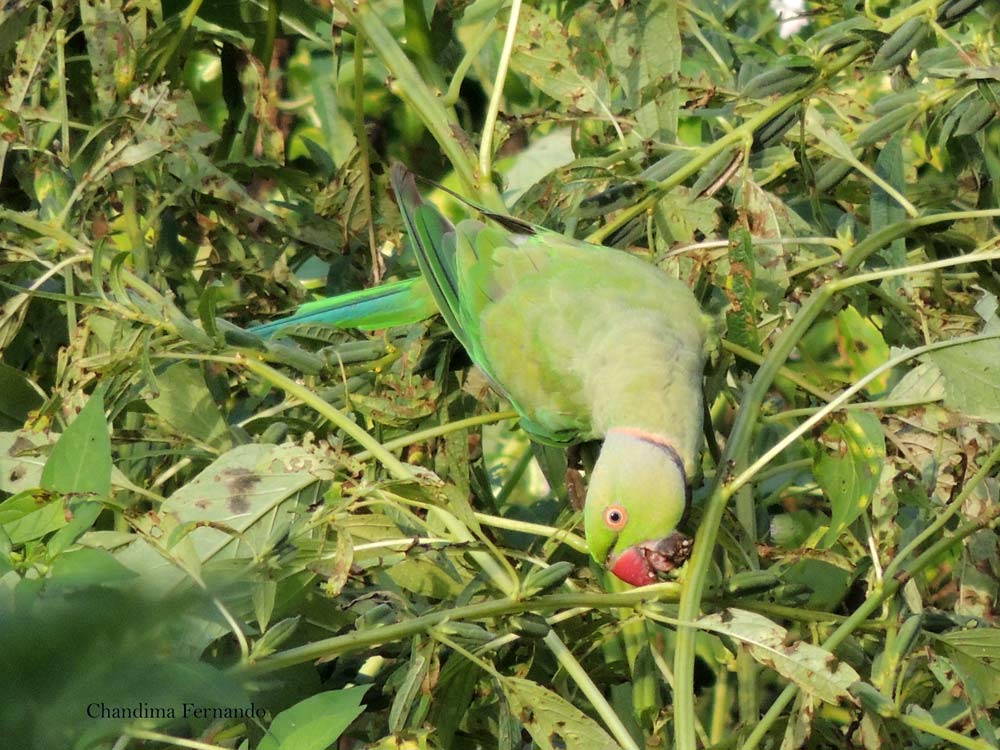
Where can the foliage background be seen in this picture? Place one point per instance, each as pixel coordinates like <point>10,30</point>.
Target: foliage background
<point>193,515</point>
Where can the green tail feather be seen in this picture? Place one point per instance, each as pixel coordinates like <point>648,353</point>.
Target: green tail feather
<point>393,304</point>
<point>400,302</point>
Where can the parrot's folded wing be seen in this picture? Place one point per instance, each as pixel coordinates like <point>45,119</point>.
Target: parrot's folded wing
<point>433,239</point>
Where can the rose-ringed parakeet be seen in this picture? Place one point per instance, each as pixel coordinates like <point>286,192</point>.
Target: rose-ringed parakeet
<point>585,341</point>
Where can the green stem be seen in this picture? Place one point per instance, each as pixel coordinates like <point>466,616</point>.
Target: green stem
<point>582,678</point>
<point>929,727</point>
<point>471,53</point>
<point>329,648</point>
<point>337,417</point>
<point>408,84</point>
<point>442,429</point>
<point>736,137</point>
<point>486,144</point>
<point>166,57</point>
<point>895,577</point>
<point>563,536</point>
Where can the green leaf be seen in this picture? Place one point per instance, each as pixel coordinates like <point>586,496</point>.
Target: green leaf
<point>184,402</point>
<point>815,670</point>
<point>28,516</point>
<point>553,722</point>
<point>22,459</point>
<point>885,209</point>
<point>80,461</point>
<point>315,723</point>
<point>849,468</point>
<point>976,657</point>
<point>542,53</point>
<point>89,567</point>
<point>19,397</point>
<point>741,317</point>
<point>251,491</point>
<point>845,348</point>
<point>971,378</point>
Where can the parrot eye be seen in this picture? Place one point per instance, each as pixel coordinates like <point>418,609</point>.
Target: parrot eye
<point>615,517</point>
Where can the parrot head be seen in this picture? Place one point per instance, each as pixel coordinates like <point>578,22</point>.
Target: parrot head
<point>636,498</point>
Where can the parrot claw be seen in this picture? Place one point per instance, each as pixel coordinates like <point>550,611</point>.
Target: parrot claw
<point>639,565</point>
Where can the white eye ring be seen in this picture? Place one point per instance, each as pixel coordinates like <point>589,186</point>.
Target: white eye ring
<point>615,517</point>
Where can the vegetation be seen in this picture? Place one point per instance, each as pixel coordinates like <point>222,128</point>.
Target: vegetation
<point>208,540</point>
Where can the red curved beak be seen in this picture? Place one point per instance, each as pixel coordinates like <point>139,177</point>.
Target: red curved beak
<point>640,564</point>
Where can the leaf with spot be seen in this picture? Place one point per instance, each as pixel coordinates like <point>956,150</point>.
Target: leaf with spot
<point>80,461</point>
<point>845,348</point>
<point>183,401</point>
<point>848,467</point>
<point>542,53</point>
<point>971,378</point>
<point>741,317</point>
<point>815,670</point>
<point>975,655</point>
<point>245,500</point>
<point>553,722</point>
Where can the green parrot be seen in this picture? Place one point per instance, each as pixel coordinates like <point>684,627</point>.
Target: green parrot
<point>586,342</point>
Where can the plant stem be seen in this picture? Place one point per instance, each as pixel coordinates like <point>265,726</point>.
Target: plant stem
<point>443,429</point>
<point>737,447</point>
<point>337,417</point>
<point>329,648</point>
<point>486,144</point>
<point>929,727</point>
<point>573,668</point>
<point>895,577</point>
<point>408,84</point>
<point>564,536</point>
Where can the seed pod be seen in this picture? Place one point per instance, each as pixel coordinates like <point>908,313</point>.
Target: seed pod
<point>713,171</point>
<point>530,625</point>
<point>541,579</point>
<point>977,115</point>
<point>907,634</point>
<point>872,700</point>
<point>951,11</point>
<point>894,101</point>
<point>830,173</point>
<point>751,582</point>
<point>886,125</point>
<point>615,197</point>
<point>771,131</point>
<point>466,630</point>
<point>898,47</point>
<point>666,166</point>
<point>777,81</point>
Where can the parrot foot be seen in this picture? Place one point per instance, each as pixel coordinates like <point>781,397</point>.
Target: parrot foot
<point>574,488</point>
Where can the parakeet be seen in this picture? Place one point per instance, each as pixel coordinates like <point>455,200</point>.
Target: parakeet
<point>585,341</point>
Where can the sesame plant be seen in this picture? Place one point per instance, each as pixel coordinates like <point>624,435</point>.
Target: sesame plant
<point>210,539</point>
